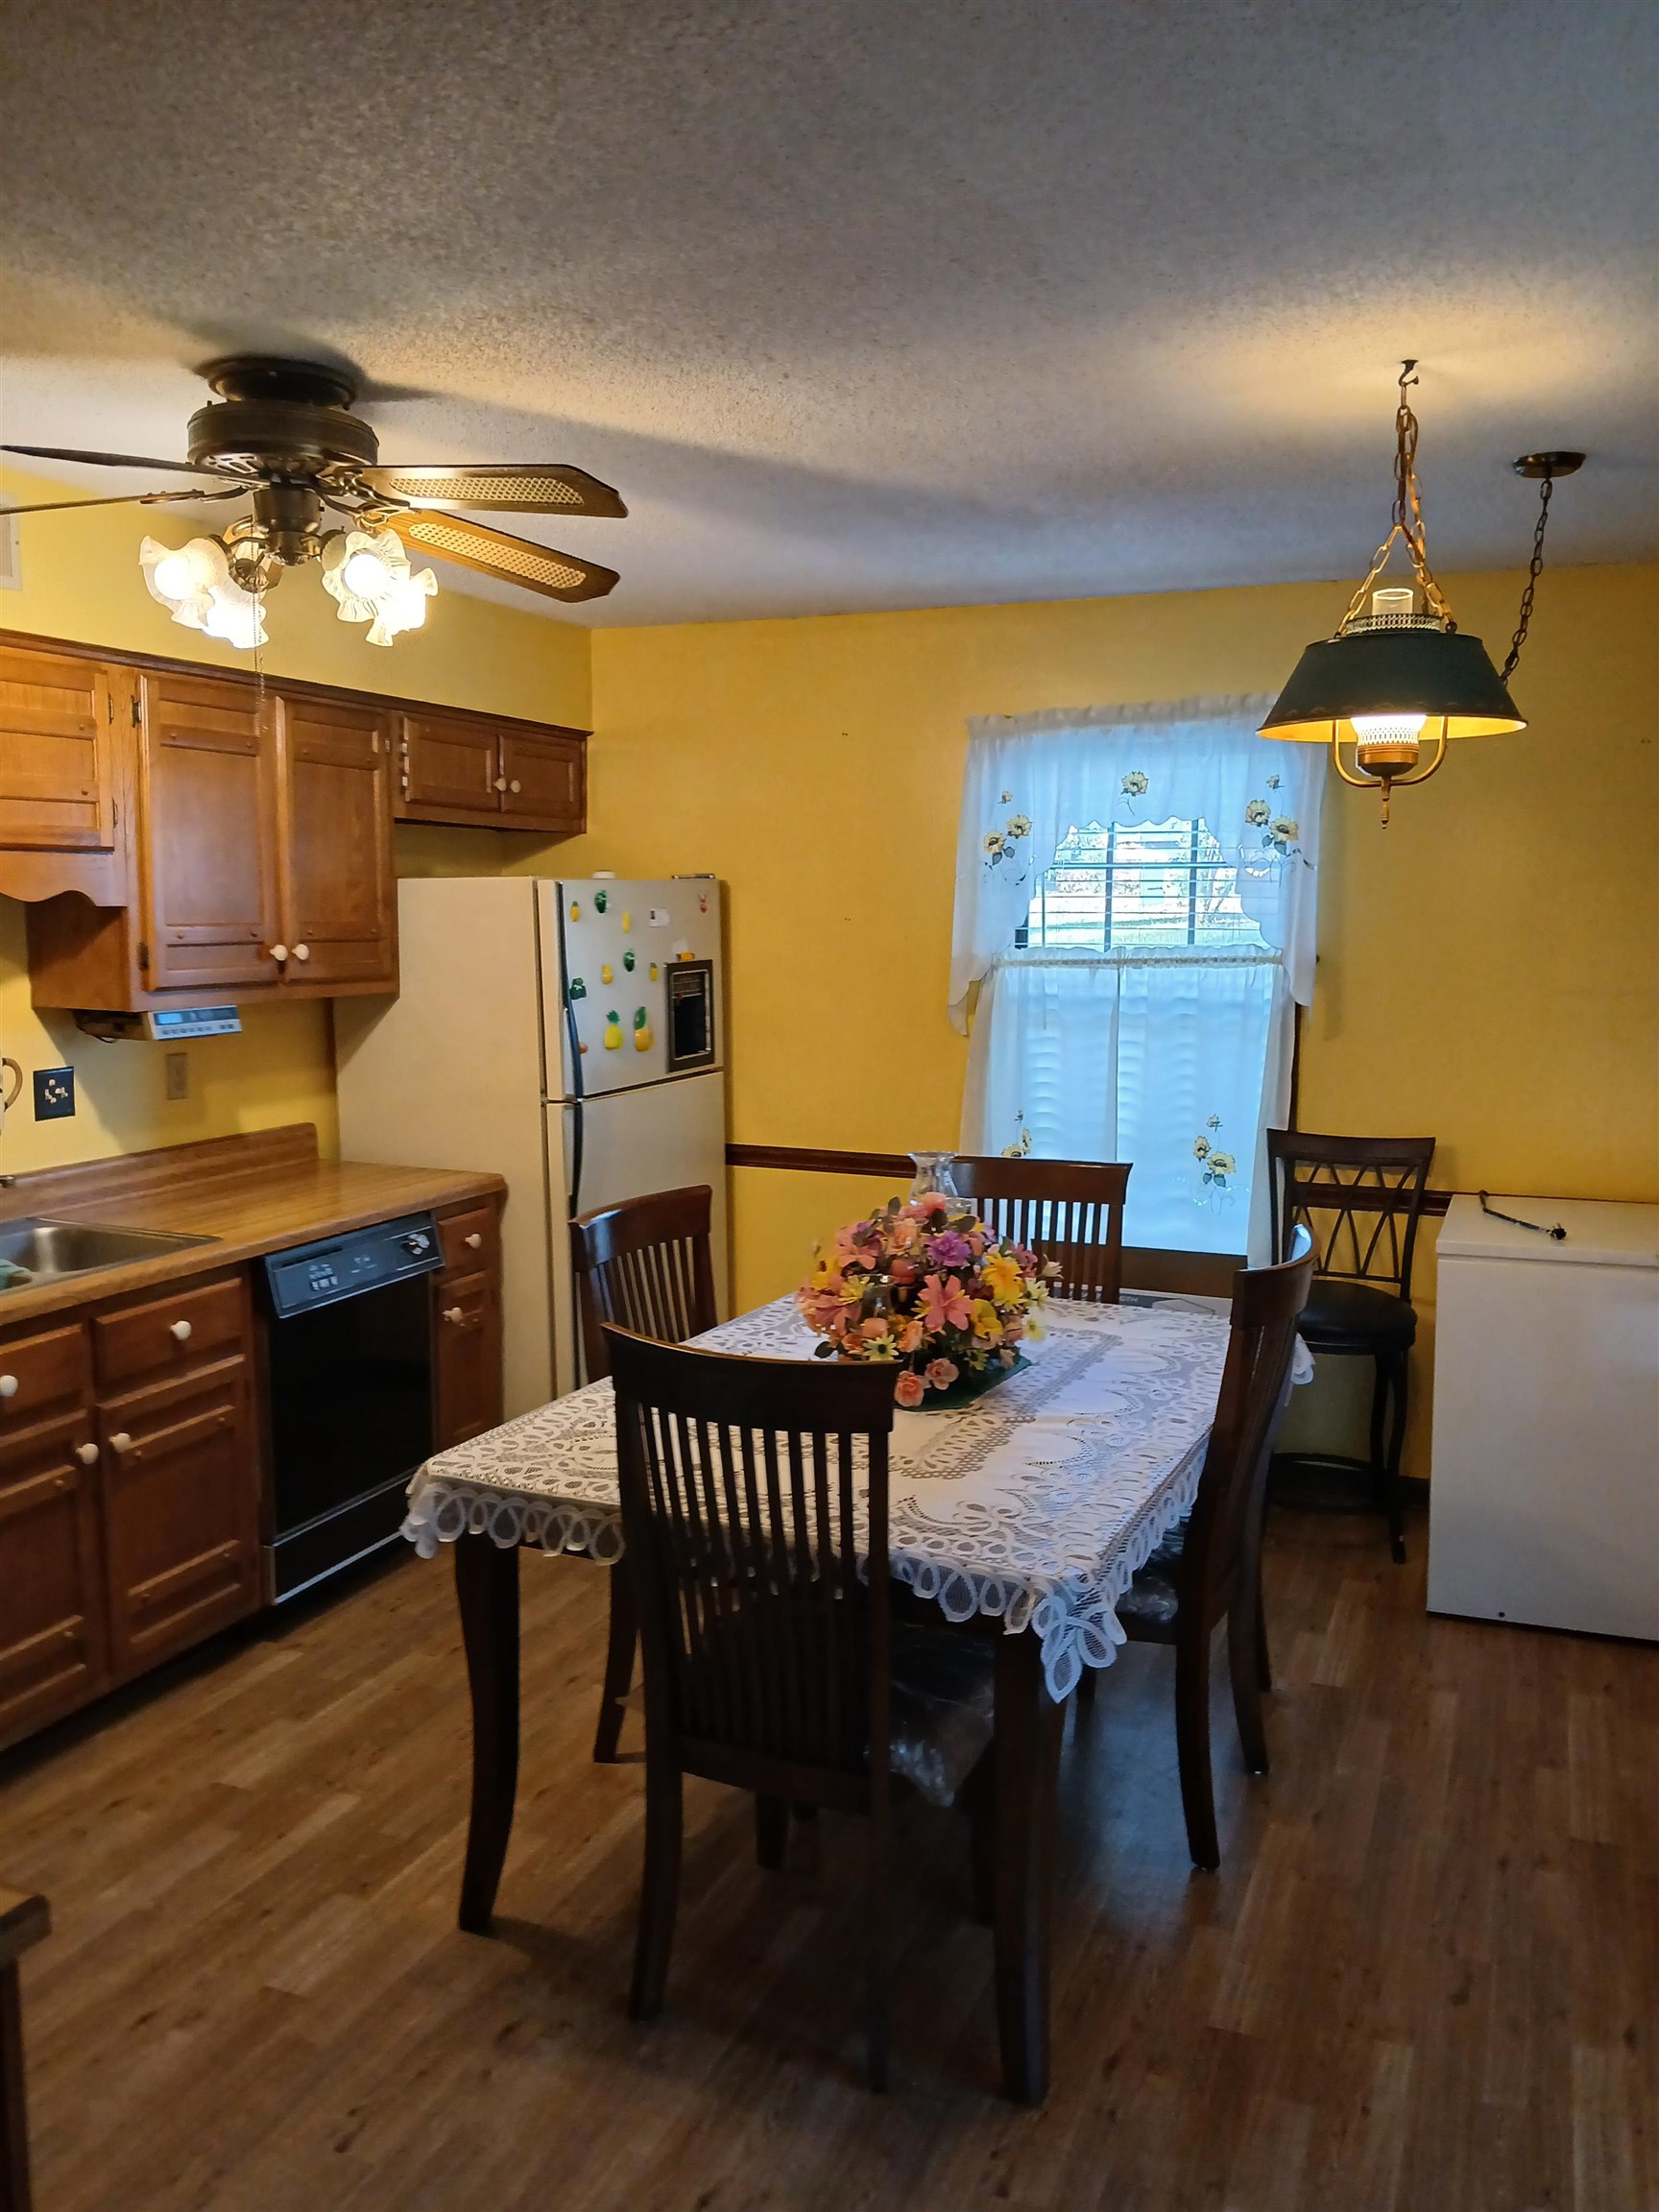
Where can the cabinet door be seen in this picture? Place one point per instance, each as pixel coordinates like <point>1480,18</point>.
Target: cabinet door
<point>208,844</point>
<point>181,1514</point>
<point>447,767</point>
<point>57,755</point>
<point>545,782</point>
<point>51,1645</point>
<point>339,898</point>
<point>466,1358</point>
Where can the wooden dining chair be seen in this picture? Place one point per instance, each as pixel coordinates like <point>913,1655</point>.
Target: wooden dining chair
<point>1209,1567</point>
<point>1361,1199</point>
<point>646,1266</point>
<point>773,1661</point>
<point>1068,1209</point>
<point>24,1921</point>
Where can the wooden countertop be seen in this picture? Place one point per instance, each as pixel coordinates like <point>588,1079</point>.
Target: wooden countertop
<point>251,1194</point>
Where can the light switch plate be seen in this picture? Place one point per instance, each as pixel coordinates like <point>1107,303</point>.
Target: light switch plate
<point>54,1093</point>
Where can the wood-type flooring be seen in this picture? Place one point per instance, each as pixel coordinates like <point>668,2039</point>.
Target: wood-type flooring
<point>1426,1979</point>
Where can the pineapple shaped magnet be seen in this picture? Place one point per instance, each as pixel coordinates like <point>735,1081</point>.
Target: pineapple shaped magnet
<point>613,1031</point>
<point>643,1031</point>
<point>605,974</point>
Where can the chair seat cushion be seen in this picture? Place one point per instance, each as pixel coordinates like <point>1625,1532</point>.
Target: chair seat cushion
<point>1153,1598</point>
<point>944,1708</point>
<point>1360,1313</point>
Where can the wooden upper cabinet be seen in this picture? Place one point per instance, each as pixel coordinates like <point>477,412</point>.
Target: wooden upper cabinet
<point>446,769</point>
<point>544,779</point>
<point>57,750</point>
<point>338,897</point>
<point>472,769</point>
<point>207,785</point>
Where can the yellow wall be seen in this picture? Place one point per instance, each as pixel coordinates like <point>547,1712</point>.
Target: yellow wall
<point>82,581</point>
<point>1488,964</point>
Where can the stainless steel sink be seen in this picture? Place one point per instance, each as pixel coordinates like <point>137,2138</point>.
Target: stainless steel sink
<point>36,1250</point>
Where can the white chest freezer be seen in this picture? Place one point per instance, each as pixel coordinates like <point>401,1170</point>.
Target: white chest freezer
<point>1544,1498</point>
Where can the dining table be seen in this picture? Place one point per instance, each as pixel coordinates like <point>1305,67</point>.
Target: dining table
<point>1022,1516</point>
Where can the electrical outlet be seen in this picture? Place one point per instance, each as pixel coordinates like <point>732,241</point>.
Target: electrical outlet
<point>54,1093</point>
<point>178,1074</point>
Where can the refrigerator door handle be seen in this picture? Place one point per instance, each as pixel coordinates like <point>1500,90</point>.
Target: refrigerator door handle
<point>575,1194</point>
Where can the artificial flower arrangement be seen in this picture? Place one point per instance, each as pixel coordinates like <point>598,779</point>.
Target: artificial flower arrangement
<point>924,1284</point>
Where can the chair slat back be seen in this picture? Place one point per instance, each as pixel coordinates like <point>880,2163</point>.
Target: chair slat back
<point>1255,1385</point>
<point>1070,1211</point>
<point>1360,1198</point>
<point>741,1484</point>
<point>646,1267</point>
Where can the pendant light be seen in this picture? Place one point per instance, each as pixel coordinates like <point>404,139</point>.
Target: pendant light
<point>1399,674</point>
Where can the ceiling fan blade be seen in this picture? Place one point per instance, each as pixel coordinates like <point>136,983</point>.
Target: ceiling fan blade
<point>532,487</point>
<point>124,461</point>
<point>509,559</point>
<point>126,500</point>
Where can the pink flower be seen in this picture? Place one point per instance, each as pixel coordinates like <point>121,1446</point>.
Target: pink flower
<point>910,1337</point>
<point>942,1373</point>
<point>943,1306</point>
<point>875,1326</point>
<point>904,1270</point>
<point>910,1389</point>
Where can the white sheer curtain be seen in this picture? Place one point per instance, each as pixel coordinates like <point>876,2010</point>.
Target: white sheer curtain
<point>1156,1054</point>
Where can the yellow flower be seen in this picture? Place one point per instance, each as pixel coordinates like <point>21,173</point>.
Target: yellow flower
<point>1005,1278</point>
<point>987,1323</point>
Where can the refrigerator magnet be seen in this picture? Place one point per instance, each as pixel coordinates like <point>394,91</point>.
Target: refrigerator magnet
<point>626,921</point>
<point>702,902</point>
<point>628,960</point>
<point>613,1032</point>
<point>654,970</point>
<point>605,974</point>
<point>575,910</point>
<point>601,899</point>
<point>660,917</point>
<point>641,1032</point>
<point>578,989</point>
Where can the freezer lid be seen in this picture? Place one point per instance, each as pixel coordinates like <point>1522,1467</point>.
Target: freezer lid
<point>608,948</point>
<point>1599,1233</point>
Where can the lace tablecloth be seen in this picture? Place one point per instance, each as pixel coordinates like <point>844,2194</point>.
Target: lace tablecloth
<point>1036,1505</point>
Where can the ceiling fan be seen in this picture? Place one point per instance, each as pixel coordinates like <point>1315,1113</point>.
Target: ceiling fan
<point>281,433</point>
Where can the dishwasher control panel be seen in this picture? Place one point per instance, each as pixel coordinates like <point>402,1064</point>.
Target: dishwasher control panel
<point>337,1267</point>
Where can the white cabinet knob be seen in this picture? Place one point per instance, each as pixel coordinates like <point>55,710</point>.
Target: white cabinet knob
<point>8,1386</point>
<point>454,1313</point>
<point>121,1441</point>
<point>500,783</point>
<point>88,1454</point>
<point>473,1241</point>
<point>302,952</point>
<point>279,951</point>
<point>515,786</point>
<point>181,1331</point>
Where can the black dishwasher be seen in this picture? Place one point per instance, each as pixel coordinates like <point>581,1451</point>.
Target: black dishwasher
<point>348,1366</point>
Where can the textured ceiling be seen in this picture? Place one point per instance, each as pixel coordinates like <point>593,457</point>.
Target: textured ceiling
<point>897,303</point>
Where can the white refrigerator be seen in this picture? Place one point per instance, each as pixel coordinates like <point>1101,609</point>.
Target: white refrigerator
<point>568,1035</point>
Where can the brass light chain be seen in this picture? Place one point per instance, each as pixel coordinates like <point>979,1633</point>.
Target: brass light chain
<point>1408,517</point>
<point>1534,568</point>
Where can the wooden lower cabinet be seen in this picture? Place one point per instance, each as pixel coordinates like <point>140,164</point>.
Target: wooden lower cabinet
<point>466,1357</point>
<point>132,1468</point>
<point>53,1647</point>
<point>180,1513</point>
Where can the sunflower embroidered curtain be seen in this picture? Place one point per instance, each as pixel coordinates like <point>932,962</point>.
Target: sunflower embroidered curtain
<point>1173,1056</point>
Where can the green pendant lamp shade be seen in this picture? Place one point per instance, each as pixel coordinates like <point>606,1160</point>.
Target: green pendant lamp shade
<point>1441,675</point>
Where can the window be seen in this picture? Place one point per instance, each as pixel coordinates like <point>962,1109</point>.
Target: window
<point>1135,897</point>
<point>1165,883</point>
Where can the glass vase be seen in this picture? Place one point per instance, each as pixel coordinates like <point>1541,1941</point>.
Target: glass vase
<point>933,1176</point>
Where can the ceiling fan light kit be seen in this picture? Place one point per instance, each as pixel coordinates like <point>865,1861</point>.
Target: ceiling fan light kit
<point>283,435</point>
<point>1401,671</point>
